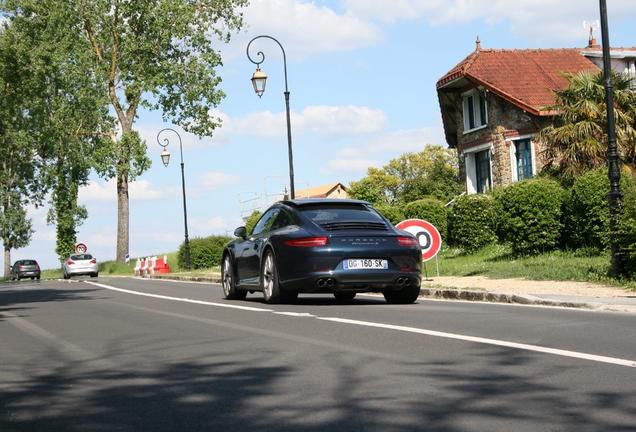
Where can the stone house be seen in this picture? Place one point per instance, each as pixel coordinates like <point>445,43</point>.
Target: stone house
<point>492,105</point>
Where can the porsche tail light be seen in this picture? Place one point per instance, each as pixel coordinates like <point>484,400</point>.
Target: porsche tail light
<point>408,241</point>
<point>310,241</point>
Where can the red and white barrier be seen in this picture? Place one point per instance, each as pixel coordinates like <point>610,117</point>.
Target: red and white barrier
<point>151,265</point>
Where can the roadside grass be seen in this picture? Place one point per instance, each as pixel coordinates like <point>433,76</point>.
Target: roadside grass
<point>495,262</point>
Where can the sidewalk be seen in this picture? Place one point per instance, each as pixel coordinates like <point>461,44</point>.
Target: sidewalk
<point>521,291</point>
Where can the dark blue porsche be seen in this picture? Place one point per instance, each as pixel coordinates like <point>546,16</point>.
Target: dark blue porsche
<point>338,246</point>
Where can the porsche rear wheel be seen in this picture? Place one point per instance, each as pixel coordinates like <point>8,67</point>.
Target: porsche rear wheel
<point>227,278</point>
<point>270,284</point>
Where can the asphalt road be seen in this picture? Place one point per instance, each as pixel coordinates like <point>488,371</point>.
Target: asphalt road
<point>149,355</point>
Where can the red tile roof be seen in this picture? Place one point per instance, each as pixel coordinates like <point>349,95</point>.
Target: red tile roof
<point>523,77</point>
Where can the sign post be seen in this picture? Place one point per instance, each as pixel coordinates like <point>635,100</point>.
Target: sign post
<point>427,235</point>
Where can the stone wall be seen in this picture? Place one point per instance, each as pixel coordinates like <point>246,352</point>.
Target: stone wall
<point>505,122</point>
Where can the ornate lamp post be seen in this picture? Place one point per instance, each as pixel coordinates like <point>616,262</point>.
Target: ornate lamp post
<point>258,80</point>
<point>165,158</point>
<point>614,172</point>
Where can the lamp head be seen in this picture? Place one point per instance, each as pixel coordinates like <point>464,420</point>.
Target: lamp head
<point>165,157</point>
<point>258,80</point>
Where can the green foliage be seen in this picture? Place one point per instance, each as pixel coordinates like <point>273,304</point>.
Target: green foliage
<point>626,230</point>
<point>431,210</point>
<point>205,252</point>
<point>365,190</point>
<point>472,221</point>
<point>124,58</point>
<point>431,172</point>
<point>576,140</point>
<point>15,227</point>
<point>586,211</point>
<point>392,213</point>
<point>530,213</point>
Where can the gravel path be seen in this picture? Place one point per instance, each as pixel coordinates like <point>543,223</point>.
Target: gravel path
<point>524,286</point>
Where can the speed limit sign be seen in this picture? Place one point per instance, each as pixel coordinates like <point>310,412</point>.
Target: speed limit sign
<point>428,236</point>
<point>80,248</point>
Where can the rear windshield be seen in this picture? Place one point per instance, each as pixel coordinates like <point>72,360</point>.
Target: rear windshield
<point>80,257</point>
<point>340,213</point>
<point>29,262</point>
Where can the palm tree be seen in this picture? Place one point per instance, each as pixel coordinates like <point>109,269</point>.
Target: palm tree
<point>577,138</point>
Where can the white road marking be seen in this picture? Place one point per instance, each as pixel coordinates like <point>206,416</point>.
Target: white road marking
<point>521,346</point>
<point>179,299</point>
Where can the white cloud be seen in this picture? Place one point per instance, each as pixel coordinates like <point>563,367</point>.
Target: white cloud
<point>302,28</point>
<point>107,191</point>
<point>349,166</point>
<point>359,155</point>
<point>327,122</point>
<point>393,143</point>
<point>212,180</point>
<point>208,227</point>
<point>330,122</point>
<point>537,20</point>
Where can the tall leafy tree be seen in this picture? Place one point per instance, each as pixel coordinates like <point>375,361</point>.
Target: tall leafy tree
<point>69,117</point>
<point>577,138</point>
<point>433,172</point>
<point>157,54</point>
<point>19,164</point>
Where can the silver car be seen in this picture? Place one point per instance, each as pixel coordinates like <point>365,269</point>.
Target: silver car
<point>80,264</point>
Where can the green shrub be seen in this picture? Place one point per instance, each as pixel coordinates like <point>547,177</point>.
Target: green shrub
<point>531,215</point>
<point>586,212</point>
<point>431,210</point>
<point>626,230</point>
<point>471,222</point>
<point>205,252</point>
<point>392,213</point>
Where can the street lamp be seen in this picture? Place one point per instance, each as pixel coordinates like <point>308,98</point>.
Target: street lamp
<point>165,158</point>
<point>614,172</point>
<point>258,80</point>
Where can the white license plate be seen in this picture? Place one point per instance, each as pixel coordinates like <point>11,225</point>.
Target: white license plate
<point>354,264</point>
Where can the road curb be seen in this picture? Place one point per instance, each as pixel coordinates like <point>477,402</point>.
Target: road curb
<point>452,293</point>
<point>495,297</point>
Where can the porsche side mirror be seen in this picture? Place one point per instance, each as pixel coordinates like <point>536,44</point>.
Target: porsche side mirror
<point>240,232</point>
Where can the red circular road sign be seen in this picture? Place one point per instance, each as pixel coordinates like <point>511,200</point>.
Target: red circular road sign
<point>429,238</point>
<point>80,248</point>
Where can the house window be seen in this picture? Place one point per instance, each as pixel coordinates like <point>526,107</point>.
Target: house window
<point>482,171</point>
<point>523,155</point>
<point>475,112</point>
<point>630,71</point>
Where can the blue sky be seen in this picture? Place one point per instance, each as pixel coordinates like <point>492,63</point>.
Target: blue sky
<point>361,74</point>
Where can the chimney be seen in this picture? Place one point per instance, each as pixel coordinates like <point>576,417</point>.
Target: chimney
<point>478,42</point>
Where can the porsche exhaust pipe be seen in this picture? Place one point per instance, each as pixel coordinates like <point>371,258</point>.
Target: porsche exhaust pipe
<point>400,281</point>
<point>325,282</point>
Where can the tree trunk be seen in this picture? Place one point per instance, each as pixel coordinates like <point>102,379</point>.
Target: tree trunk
<point>123,217</point>
<point>7,263</point>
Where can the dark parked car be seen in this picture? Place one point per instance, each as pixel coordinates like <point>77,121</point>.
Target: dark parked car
<point>337,246</point>
<point>26,268</point>
<point>80,264</point>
